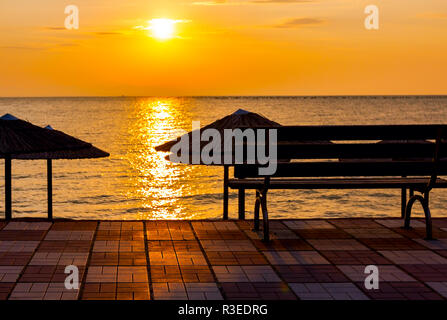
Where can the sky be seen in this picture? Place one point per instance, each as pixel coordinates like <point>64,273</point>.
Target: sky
<point>218,47</point>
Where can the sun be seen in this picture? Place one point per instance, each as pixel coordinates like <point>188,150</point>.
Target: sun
<point>162,29</point>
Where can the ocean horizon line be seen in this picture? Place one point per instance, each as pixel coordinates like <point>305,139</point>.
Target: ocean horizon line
<point>237,96</point>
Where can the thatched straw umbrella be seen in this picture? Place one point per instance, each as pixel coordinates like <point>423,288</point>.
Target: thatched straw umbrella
<point>89,152</point>
<point>22,140</point>
<point>240,118</point>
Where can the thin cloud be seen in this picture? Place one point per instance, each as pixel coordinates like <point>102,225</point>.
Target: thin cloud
<point>225,2</point>
<point>55,28</point>
<point>210,3</point>
<point>281,1</point>
<point>110,33</point>
<point>299,22</point>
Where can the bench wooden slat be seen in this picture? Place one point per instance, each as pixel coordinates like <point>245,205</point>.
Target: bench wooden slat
<point>345,169</point>
<point>342,183</point>
<point>360,132</point>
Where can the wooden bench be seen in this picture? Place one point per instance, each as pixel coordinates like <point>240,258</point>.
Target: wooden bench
<point>410,157</point>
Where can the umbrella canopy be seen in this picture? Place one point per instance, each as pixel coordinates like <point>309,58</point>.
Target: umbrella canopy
<point>22,140</point>
<point>87,152</point>
<point>19,136</point>
<point>238,119</point>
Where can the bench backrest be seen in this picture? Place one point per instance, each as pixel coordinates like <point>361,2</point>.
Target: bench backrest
<point>354,150</point>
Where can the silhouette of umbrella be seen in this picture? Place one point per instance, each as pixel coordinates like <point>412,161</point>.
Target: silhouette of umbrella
<point>22,140</point>
<point>240,118</point>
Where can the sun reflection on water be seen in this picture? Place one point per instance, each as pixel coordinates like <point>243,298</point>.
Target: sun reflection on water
<point>156,180</point>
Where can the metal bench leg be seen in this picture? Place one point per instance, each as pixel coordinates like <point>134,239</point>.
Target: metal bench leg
<point>425,205</point>
<point>403,202</point>
<point>265,216</point>
<point>241,201</point>
<point>256,213</point>
<point>225,193</point>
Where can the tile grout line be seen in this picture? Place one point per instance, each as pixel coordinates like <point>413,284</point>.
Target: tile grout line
<point>87,264</point>
<point>268,261</point>
<point>360,240</point>
<point>148,262</point>
<point>218,284</point>
<point>31,258</point>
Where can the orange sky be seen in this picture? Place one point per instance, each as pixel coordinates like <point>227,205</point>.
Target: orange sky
<point>234,47</point>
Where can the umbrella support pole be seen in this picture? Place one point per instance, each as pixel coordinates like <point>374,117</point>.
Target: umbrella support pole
<point>8,203</point>
<point>50,188</point>
<point>225,193</point>
<point>241,201</point>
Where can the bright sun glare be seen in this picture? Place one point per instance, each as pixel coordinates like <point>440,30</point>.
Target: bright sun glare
<point>162,29</point>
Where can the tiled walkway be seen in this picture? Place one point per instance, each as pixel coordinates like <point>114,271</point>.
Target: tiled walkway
<point>307,259</point>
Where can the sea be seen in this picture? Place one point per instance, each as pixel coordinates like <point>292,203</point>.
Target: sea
<point>137,182</point>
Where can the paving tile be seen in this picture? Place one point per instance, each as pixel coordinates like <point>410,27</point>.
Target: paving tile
<point>43,274</point>
<point>102,274</point>
<point>132,274</point>
<point>15,258</point>
<point>168,258</point>
<point>336,244</point>
<point>439,222</point>
<point>196,274</point>
<point>191,258</point>
<point>308,224</point>
<point>373,233</point>
<point>274,234</point>
<point>439,287</point>
<point>99,291</point>
<point>361,257</point>
<point>65,246</point>
<point>106,246</point>
<point>236,258</point>
<point>413,257</point>
<point>2,224</point>
<point>43,291</point>
<point>355,223</point>
<point>257,291</point>
<point>131,246</point>
<point>104,235</point>
<point>245,274</point>
<point>420,233</point>
<point>227,245</point>
<point>22,235</point>
<point>220,235</point>
<point>166,274</point>
<point>427,272</point>
<point>116,291</point>
<point>395,244</point>
<point>310,273</point>
<point>285,244</point>
<point>169,291</point>
<point>115,258</point>
<point>28,226</point>
<point>6,289</point>
<point>18,246</point>
<point>323,234</point>
<point>69,235</point>
<point>387,273</point>
<point>74,225</point>
<point>327,291</point>
<point>295,257</point>
<point>440,244</point>
<point>10,273</point>
<point>176,245</point>
<point>59,258</point>
<point>160,234</point>
<point>398,223</point>
<point>401,291</point>
<point>203,291</point>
